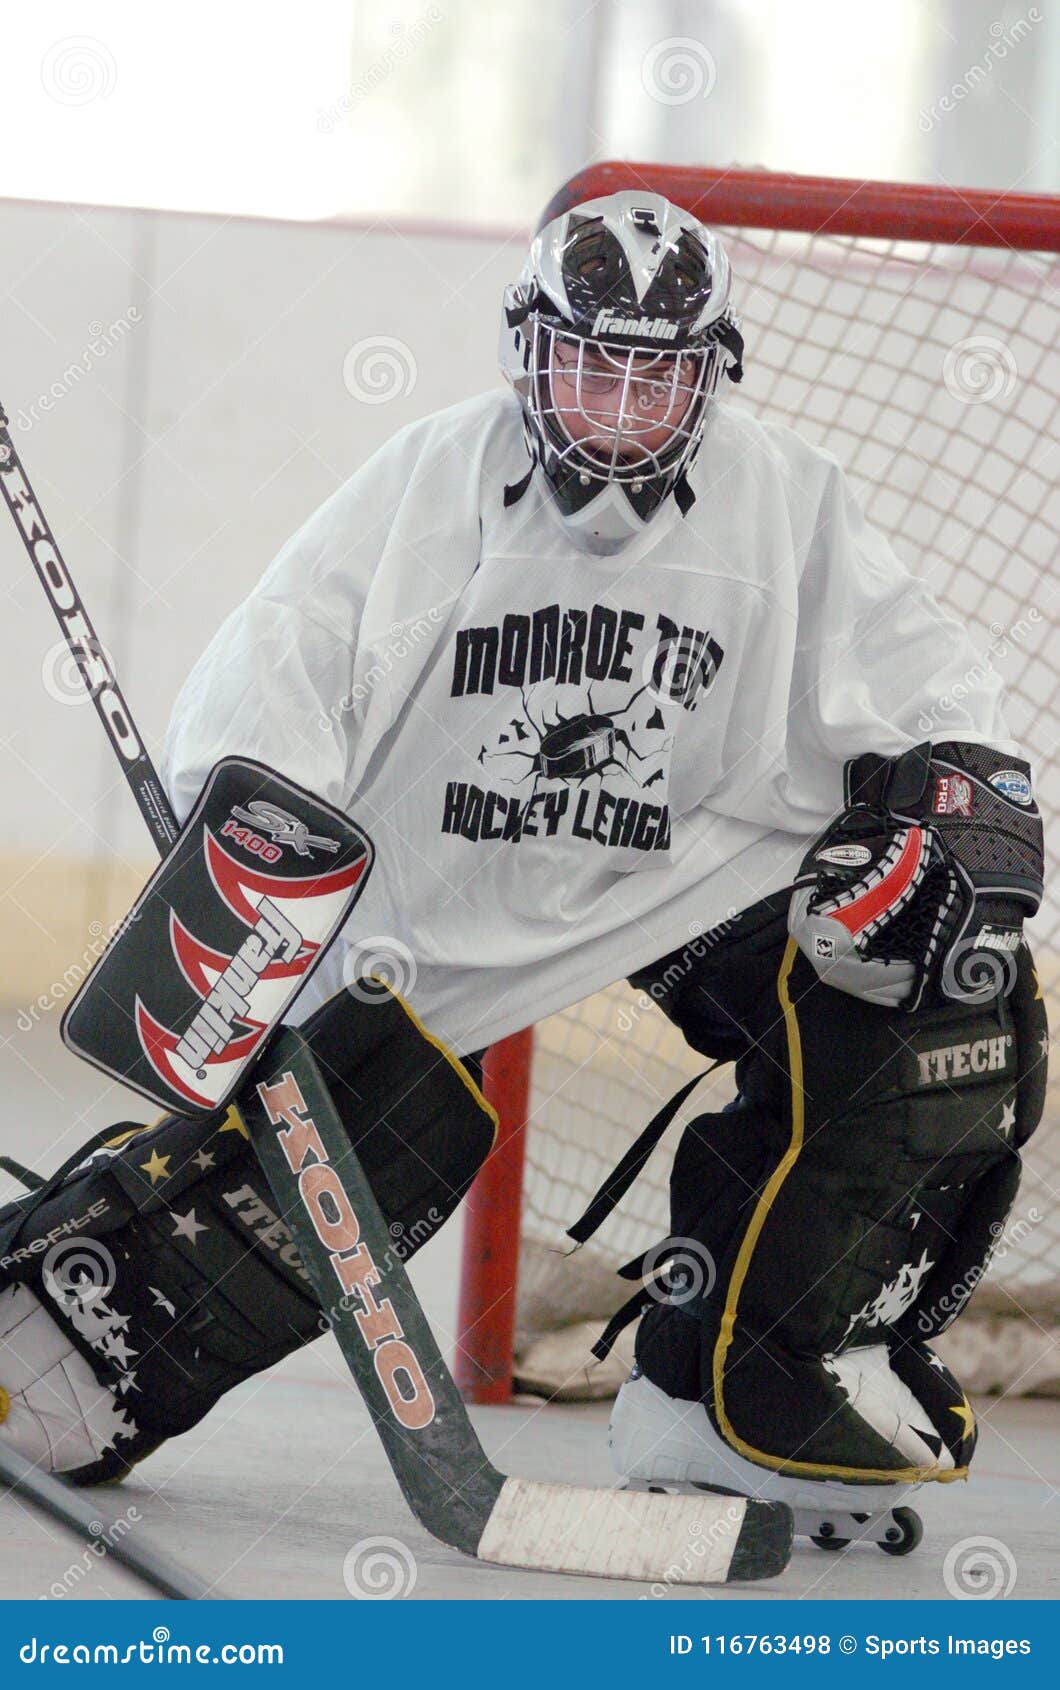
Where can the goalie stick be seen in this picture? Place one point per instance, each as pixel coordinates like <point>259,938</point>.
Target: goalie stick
<point>325,1198</point>
<point>105,1537</point>
<point>448,1481</point>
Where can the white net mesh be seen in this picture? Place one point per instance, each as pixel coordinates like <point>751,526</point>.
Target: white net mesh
<point>933,374</point>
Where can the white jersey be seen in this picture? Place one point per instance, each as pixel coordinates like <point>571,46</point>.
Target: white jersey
<point>570,764</point>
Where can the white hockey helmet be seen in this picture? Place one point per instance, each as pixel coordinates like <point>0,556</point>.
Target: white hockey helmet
<point>615,338</point>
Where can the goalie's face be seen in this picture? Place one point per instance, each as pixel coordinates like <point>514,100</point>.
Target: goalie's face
<point>619,411</point>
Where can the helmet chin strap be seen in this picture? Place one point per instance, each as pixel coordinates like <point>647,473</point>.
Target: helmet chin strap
<point>606,523</point>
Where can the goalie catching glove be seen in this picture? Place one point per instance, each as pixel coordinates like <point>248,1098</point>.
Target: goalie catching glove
<point>917,891</point>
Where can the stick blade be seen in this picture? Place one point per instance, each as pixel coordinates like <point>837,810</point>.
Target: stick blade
<point>651,1537</point>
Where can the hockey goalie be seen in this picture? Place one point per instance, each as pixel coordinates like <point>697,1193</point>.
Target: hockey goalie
<point>599,660</point>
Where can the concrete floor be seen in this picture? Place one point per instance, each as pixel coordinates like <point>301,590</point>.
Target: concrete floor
<point>285,1478</point>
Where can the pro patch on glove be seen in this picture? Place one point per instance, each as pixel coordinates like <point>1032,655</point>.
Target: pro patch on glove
<point>226,932</point>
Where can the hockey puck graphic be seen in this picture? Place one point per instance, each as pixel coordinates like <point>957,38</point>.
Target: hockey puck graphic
<point>577,748</point>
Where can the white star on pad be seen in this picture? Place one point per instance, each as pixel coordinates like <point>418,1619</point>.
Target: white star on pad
<point>203,1159</point>
<point>118,1350</point>
<point>1008,1119</point>
<point>186,1226</point>
<point>937,1361</point>
<point>162,1302</point>
<point>91,1320</point>
<point>1043,1044</point>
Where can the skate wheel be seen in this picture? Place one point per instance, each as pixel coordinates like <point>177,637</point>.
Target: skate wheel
<point>904,1532</point>
<point>826,1539</point>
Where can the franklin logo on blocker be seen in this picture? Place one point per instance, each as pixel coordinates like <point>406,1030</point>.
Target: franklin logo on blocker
<point>211,1008</point>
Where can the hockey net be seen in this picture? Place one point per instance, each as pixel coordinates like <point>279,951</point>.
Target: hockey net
<point>914,332</point>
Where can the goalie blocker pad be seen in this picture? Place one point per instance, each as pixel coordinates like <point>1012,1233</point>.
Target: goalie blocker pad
<point>228,929</point>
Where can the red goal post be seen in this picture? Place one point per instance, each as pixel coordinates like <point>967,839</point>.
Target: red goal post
<point>833,279</point>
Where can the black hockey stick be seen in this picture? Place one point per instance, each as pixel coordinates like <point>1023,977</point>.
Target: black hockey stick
<point>325,1198</point>
<point>104,1537</point>
<point>93,662</point>
<point>46,1492</point>
<point>447,1479</point>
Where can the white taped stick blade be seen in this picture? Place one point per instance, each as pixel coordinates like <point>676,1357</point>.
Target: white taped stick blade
<point>651,1537</point>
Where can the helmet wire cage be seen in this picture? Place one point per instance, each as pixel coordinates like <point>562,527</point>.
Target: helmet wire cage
<point>618,413</point>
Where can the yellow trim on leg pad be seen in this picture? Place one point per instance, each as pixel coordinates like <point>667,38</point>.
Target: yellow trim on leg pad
<point>810,1469</point>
